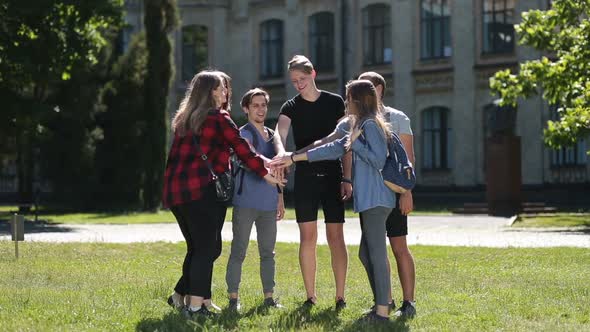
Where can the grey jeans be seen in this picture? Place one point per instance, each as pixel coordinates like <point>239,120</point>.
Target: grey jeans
<point>373,252</point>
<point>266,229</point>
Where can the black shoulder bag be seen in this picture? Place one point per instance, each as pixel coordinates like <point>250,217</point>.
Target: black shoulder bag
<point>224,183</point>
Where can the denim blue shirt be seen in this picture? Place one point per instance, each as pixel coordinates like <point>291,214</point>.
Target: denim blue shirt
<point>369,152</point>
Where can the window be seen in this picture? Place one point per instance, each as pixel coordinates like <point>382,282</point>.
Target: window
<point>435,29</point>
<point>321,40</point>
<point>271,48</point>
<point>195,53</point>
<point>436,134</point>
<point>567,156</point>
<point>498,26</point>
<point>377,35</point>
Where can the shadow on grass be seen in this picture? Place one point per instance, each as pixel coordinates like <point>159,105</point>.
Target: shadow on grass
<point>392,325</point>
<point>174,321</point>
<point>303,316</point>
<point>284,320</point>
<point>35,227</point>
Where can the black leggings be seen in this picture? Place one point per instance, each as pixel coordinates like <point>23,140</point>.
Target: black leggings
<point>200,222</point>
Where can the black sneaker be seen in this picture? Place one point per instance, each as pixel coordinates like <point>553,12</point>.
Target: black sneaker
<point>234,305</point>
<point>174,305</point>
<point>203,312</point>
<point>340,304</point>
<point>407,310</point>
<point>272,303</point>
<point>309,302</point>
<point>372,317</point>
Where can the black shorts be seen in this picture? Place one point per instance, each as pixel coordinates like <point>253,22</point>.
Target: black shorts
<point>397,223</point>
<point>311,190</point>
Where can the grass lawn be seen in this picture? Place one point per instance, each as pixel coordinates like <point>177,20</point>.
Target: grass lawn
<point>163,216</point>
<point>557,220</point>
<point>112,287</point>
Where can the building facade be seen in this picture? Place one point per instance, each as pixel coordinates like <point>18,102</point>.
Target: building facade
<point>436,55</point>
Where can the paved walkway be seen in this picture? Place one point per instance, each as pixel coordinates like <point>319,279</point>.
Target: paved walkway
<point>426,230</point>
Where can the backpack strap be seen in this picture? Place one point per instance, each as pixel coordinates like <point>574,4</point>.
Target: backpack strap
<point>250,128</point>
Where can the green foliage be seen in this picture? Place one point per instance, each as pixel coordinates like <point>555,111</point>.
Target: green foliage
<point>42,44</point>
<point>161,18</point>
<point>563,75</point>
<point>42,47</point>
<point>120,118</point>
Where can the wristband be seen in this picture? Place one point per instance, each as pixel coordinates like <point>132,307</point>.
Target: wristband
<point>293,160</point>
<point>345,180</point>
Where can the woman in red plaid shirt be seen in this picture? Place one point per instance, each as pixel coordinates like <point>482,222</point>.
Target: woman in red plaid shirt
<point>189,190</point>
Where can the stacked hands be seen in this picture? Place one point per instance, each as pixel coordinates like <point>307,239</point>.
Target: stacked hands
<point>279,165</point>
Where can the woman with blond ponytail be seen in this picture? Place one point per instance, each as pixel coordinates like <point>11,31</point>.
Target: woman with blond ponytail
<point>202,128</point>
<point>373,200</point>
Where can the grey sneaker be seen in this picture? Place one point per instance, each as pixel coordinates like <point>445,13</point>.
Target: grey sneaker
<point>272,303</point>
<point>372,317</point>
<point>201,313</point>
<point>407,310</point>
<point>174,304</point>
<point>234,305</point>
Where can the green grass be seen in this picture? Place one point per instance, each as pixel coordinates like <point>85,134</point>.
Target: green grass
<point>112,287</point>
<point>163,216</point>
<point>557,220</point>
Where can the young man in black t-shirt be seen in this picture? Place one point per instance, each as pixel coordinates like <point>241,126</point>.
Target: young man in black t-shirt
<point>313,114</point>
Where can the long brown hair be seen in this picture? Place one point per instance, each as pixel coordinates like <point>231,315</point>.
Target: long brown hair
<point>226,106</point>
<point>363,95</point>
<point>197,101</point>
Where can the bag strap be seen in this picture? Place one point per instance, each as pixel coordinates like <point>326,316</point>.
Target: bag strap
<point>248,127</point>
<point>204,157</point>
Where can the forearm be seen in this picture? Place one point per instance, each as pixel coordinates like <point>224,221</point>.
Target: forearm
<point>278,144</point>
<point>347,165</point>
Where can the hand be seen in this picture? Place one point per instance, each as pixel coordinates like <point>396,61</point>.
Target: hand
<point>354,134</point>
<point>345,190</point>
<point>282,162</point>
<point>280,209</point>
<point>278,173</point>
<point>270,179</point>
<point>406,203</point>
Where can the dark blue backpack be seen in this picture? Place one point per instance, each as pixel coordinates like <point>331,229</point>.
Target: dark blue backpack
<point>398,173</point>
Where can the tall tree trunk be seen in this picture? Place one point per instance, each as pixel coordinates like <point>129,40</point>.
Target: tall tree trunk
<point>160,20</point>
<point>25,166</point>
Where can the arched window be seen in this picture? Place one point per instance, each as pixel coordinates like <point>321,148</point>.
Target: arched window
<point>321,40</point>
<point>435,29</point>
<point>377,35</point>
<point>195,54</point>
<point>436,138</point>
<point>271,48</point>
<point>498,26</point>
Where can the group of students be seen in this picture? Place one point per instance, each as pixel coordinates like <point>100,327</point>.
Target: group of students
<point>341,147</point>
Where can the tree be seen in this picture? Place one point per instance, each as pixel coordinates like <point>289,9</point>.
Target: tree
<point>161,18</point>
<point>563,75</point>
<point>40,46</point>
<point>120,149</point>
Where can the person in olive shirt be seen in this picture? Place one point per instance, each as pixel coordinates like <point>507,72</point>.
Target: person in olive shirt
<point>313,114</point>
